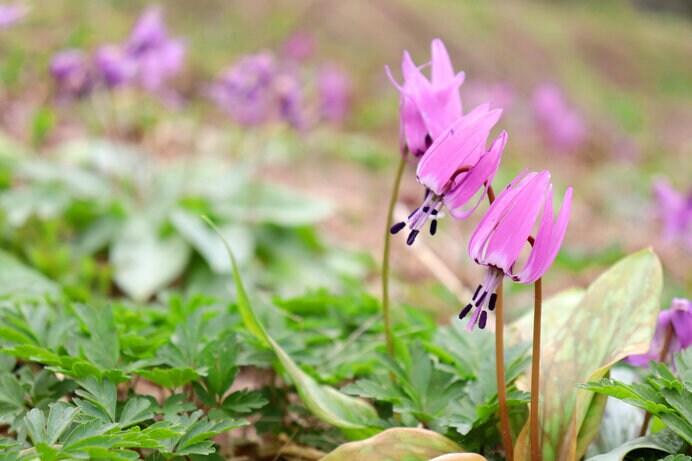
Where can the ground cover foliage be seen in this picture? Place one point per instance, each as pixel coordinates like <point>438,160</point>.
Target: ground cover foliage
<point>175,283</point>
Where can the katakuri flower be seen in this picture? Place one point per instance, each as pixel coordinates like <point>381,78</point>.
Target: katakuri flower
<point>12,13</point>
<point>157,56</point>
<point>503,232</point>
<point>454,168</point>
<point>563,127</point>
<point>676,321</point>
<point>427,107</point>
<point>73,74</point>
<point>675,209</point>
<point>333,92</point>
<point>114,65</point>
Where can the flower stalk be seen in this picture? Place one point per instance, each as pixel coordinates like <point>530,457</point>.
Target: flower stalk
<point>385,258</point>
<point>534,425</point>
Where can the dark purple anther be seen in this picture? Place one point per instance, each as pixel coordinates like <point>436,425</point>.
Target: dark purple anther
<point>433,227</point>
<point>465,311</point>
<point>397,227</point>
<point>482,320</point>
<point>412,237</point>
<point>475,293</point>
<point>493,300</point>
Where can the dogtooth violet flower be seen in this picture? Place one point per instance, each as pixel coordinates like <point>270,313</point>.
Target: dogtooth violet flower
<point>427,107</point>
<point>454,168</point>
<point>12,13</point>
<point>503,232</point>
<point>72,72</point>
<point>677,320</point>
<point>675,210</point>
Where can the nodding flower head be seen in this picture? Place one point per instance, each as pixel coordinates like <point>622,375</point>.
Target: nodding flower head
<point>676,322</point>
<point>72,72</point>
<point>427,107</point>
<point>455,167</point>
<point>506,228</point>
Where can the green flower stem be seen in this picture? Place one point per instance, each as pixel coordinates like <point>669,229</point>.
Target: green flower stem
<point>385,258</point>
<point>505,429</point>
<point>534,427</point>
<point>664,353</point>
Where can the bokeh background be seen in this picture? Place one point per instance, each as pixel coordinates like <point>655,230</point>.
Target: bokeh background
<point>598,92</point>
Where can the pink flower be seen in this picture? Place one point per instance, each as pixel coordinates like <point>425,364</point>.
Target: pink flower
<point>503,232</point>
<point>679,319</point>
<point>675,209</point>
<point>12,13</point>
<point>563,126</point>
<point>455,167</point>
<point>427,107</point>
<point>334,91</point>
<point>299,47</point>
<point>72,72</point>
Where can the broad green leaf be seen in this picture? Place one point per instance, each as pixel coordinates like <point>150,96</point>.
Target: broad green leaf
<point>136,410</point>
<point>665,441</point>
<point>144,261</point>
<point>60,416</point>
<point>353,416</point>
<point>207,243</point>
<point>615,318</point>
<point>103,348</point>
<point>18,281</point>
<point>102,394</point>
<point>273,204</point>
<point>243,401</point>
<point>397,444</point>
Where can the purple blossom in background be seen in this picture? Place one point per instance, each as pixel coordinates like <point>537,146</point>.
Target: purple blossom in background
<point>11,13</point>
<point>289,94</point>
<point>503,232</point>
<point>72,72</point>
<point>115,66</point>
<point>563,127</point>
<point>245,90</point>
<point>678,321</point>
<point>299,47</point>
<point>333,91</point>
<point>156,56</point>
<point>675,209</point>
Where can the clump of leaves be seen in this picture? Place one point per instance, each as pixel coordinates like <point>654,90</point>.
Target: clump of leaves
<point>664,394</point>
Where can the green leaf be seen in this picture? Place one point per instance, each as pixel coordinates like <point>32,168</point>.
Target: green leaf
<point>207,243</point>
<point>136,410</point>
<point>170,378</point>
<point>18,282</point>
<point>616,317</point>
<point>143,261</point>
<point>103,348</point>
<point>664,441</point>
<point>243,401</point>
<point>397,444</point>
<point>60,416</point>
<point>101,394</point>
<point>355,417</point>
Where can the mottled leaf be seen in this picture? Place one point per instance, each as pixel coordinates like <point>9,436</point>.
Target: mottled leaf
<point>616,317</point>
<point>397,444</point>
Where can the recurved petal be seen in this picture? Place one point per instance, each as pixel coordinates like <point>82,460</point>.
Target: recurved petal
<point>556,237</point>
<point>514,228</point>
<point>682,321</point>
<point>412,127</point>
<point>495,212</point>
<point>542,244</point>
<point>461,145</point>
<point>482,173</point>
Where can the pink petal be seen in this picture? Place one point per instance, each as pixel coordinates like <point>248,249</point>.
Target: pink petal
<point>556,238</point>
<point>461,145</point>
<point>682,321</point>
<point>482,173</point>
<point>442,70</point>
<point>497,210</point>
<point>542,243</point>
<point>514,228</point>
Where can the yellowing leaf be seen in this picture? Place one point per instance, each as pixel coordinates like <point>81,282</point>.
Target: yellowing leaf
<point>615,318</point>
<point>398,444</point>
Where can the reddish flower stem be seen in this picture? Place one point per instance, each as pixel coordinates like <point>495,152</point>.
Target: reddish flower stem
<point>385,259</point>
<point>664,353</point>
<point>534,426</point>
<point>505,429</point>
